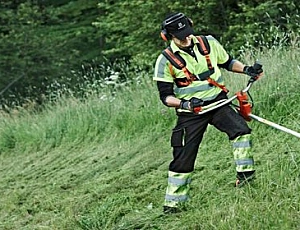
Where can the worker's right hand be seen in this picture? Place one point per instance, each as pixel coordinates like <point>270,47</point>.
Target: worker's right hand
<point>194,105</point>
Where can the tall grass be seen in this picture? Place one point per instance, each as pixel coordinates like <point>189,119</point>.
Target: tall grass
<point>101,163</point>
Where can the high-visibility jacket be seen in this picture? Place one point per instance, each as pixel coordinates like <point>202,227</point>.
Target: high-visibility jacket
<point>199,89</point>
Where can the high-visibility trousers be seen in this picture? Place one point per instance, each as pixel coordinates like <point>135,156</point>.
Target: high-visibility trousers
<point>177,189</point>
<point>242,153</point>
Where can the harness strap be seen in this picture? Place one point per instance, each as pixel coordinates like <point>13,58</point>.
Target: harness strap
<point>171,70</point>
<point>213,82</point>
<point>180,64</point>
<point>204,50</point>
<point>209,65</point>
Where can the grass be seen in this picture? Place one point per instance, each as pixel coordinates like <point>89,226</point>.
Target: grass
<point>102,164</point>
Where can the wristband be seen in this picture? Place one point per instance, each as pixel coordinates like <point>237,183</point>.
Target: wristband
<point>184,105</point>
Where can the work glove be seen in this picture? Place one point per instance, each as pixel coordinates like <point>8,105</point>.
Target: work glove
<point>253,71</point>
<point>193,105</point>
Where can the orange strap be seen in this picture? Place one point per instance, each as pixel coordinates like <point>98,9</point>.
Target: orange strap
<point>213,82</point>
<point>174,58</point>
<point>202,45</point>
<point>171,70</point>
<point>190,77</point>
<point>180,64</point>
<point>209,65</point>
<point>205,51</point>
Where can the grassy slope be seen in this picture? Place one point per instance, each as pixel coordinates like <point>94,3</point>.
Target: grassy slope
<point>103,164</point>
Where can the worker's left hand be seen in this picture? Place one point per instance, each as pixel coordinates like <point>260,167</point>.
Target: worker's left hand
<point>254,71</point>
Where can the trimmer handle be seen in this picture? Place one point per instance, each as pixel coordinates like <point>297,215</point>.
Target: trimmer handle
<point>257,65</point>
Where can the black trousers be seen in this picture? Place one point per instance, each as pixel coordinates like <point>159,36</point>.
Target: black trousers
<point>189,130</point>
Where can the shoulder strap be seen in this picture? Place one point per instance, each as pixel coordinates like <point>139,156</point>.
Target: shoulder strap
<point>203,46</point>
<point>204,49</point>
<point>177,61</point>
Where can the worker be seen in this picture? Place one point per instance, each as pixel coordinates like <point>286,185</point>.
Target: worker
<point>188,78</point>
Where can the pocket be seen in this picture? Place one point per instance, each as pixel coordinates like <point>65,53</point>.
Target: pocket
<point>177,139</point>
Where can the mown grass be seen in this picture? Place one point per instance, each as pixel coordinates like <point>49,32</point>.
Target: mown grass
<point>102,164</point>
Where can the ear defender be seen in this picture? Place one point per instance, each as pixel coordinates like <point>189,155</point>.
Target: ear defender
<point>164,35</point>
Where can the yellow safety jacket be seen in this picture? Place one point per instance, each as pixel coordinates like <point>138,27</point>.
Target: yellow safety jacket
<point>202,89</point>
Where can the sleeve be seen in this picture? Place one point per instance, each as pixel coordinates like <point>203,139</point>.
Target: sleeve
<point>222,55</point>
<point>165,89</point>
<point>161,70</point>
<point>228,64</point>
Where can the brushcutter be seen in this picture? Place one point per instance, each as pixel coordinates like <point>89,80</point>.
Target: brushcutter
<point>245,107</point>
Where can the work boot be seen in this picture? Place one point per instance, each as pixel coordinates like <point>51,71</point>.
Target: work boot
<point>170,210</point>
<point>243,178</point>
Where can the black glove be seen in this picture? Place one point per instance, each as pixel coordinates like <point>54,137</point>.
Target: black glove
<point>253,71</point>
<point>194,105</point>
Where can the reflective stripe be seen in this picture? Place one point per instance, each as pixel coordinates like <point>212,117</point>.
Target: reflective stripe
<point>245,162</point>
<point>179,181</point>
<point>241,144</point>
<point>161,67</point>
<point>191,90</point>
<point>176,198</point>
<point>231,64</point>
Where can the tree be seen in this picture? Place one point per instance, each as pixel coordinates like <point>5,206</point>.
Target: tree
<point>131,28</point>
<point>25,52</point>
<point>42,41</point>
<point>43,44</point>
